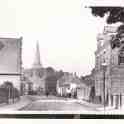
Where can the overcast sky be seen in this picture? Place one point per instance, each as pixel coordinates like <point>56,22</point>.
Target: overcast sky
<point>66,31</point>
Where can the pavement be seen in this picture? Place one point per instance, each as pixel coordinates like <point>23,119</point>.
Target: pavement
<point>24,101</point>
<point>15,106</point>
<point>106,110</point>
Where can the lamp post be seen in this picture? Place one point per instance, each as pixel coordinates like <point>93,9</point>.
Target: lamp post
<point>13,94</point>
<point>104,65</point>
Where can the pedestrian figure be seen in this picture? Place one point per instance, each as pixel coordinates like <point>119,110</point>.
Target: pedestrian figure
<point>47,94</point>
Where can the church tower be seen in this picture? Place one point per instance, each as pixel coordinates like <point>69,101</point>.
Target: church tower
<point>37,62</point>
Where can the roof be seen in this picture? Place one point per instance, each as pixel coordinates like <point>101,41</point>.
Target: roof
<point>12,38</point>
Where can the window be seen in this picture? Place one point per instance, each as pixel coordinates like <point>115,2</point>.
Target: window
<point>112,60</point>
<point>121,56</point>
<point>121,60</point>
<point>1,45</point>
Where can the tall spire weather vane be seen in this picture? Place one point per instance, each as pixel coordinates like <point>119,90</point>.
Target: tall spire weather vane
<point>37,61</point>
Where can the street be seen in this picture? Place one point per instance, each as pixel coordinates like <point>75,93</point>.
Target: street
<point>52,103</point>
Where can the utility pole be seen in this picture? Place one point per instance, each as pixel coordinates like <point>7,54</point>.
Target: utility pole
<point>13,94</point>
<point>104,86</point>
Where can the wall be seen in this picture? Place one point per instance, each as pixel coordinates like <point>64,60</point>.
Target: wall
<point>14,79</point>
<point>10,55</point>
<point>83,92</point>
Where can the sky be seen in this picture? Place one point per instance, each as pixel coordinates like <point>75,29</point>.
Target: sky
<point>65,29</point>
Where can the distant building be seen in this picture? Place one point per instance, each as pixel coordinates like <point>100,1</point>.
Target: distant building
<point>71,85</point>
<point>37,62</point>
<point>87,87</point>
<point>26,85</point>
<point>109,79</point>
<point>83,91</point>
<point>67,85</point>
<point>36,75</point>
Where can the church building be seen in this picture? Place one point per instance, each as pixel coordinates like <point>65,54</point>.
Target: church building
<point>35,76</point>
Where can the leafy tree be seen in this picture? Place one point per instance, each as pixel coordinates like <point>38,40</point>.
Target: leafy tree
<point>50,84</point>
<point>7,84</point>
<point>59,74</point>
<point>82,78</point>
<point>115,14</point>
<point>50,71</point>
<point>7,90</point>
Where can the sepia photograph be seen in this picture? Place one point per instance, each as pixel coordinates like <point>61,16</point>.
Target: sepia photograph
<point>61,59</point>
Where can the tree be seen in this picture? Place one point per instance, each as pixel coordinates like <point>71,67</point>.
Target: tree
<point>50,85</point>
<point>7,84</point>
<point>82,78</point>
<point>9,91</point>
<point>59,74</point>
<point>115,14</point>
<point>50,71</point>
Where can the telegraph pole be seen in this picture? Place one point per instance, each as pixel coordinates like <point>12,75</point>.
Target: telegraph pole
<point>104,86</point>
<point>104,77</point>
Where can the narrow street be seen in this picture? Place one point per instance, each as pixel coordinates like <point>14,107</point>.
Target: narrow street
<point>53,103</point>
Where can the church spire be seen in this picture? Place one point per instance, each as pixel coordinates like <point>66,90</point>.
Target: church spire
<point>37,62</point>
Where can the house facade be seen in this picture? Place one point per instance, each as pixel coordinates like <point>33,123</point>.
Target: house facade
<point>67,85</point>
<point>83,92</point>
<point>109,79</point>
<point>72,86</point>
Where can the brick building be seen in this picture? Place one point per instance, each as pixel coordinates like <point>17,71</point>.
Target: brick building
<point>109,80</point>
